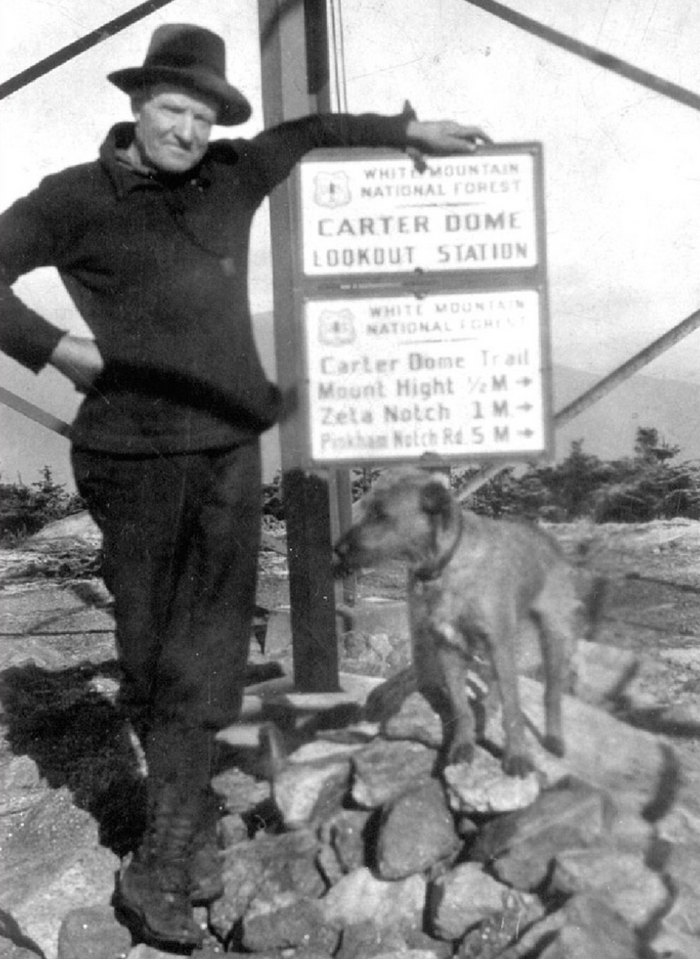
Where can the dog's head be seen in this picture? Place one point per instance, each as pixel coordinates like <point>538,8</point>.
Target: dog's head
<point>407,515</point>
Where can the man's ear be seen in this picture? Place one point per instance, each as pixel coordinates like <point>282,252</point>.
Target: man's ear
<point>436,500</point>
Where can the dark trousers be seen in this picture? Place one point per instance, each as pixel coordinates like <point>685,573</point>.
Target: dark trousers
<point>181,535</point>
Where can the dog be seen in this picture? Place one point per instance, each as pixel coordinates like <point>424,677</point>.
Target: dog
<point>473,583</point>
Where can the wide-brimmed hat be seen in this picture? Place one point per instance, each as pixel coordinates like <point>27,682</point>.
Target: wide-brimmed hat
<point>192,57</point>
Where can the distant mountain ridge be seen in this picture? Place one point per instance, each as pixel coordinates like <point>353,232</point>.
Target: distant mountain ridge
<point>608,428</point>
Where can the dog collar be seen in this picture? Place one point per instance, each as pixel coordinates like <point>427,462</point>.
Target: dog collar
<point>427,573</point>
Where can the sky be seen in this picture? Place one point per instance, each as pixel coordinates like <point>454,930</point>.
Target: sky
<point>622,164</point>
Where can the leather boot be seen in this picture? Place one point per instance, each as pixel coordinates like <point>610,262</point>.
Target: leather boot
<point>206,881</point>
<point>153,890</point>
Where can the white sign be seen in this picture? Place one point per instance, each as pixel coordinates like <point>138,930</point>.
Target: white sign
<point>456,374</point>
<point>384,216</point>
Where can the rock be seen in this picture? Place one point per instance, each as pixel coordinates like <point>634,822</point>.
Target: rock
<point>378,946</point>
<point>360,897</point>
<point>52,862</point>
<point>605,674</point>
<point>464,897</point>
<point>21,786</point>
<point>620,878</point>
<point>416,832</point>
<point>680,866</point>
<point>79,529</point>
<point>34,652</point>
<point>529,943</point>
<point>501,929</point>
<point>676,945</point>
<point>365,940</point>
<point>263,868</point>
<point>142,951</point>
<point>384,770</point>
<point>14,944</point>
<point>520,846</point>
<point>285,922</point>
<point>232,829</point>
<point>416,720</point>
<point>313,782</point>
<point>643,771</point>
<point>239,791</point>
<point>299,713</point>
<point>482,786</point>
<point>344,842</point>
<point>8,950</point>
<point>592,928</point>
<point>93,933</point>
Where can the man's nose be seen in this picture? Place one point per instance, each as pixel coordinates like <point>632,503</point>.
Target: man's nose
<point>185,128</point>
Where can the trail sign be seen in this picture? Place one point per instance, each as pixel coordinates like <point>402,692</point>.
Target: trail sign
<point>456,374</point>
<point>381,215</point>
<point>422,307</point>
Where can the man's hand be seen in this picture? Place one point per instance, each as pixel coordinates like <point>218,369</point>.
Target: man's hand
<point>78,358</point>
<point>444,136</point>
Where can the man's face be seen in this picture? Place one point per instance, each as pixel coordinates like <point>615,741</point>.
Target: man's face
<point>173,126</point>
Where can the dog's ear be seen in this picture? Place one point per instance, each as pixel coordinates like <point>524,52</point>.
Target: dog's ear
<point>435,499</point>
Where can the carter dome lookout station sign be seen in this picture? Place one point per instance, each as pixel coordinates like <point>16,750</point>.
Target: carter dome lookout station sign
<point>422,302</point>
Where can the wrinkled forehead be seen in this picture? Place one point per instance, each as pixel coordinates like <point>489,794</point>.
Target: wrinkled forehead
<point>179,95</point>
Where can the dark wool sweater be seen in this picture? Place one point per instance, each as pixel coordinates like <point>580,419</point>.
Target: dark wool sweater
<point>158,269</point>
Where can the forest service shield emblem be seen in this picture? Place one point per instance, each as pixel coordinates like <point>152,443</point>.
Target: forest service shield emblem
<point>331,189</point>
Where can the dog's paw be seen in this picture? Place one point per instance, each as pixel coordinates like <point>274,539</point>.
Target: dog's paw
<point>459,753</point>
<point>554,745</point>
<point>518,765</point>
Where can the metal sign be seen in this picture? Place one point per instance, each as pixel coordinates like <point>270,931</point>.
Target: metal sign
<point>456,374</point>
<point>382,215</point>
<point>422,303</point>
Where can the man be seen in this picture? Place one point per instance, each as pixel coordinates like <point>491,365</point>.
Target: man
<point>151,241</point>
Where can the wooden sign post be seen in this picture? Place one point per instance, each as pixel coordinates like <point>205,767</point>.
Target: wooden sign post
<point>294,61</point>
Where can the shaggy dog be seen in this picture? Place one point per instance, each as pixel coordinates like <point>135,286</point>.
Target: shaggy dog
<point>473,584</point>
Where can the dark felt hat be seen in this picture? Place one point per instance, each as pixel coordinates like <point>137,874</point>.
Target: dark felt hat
<point>192,57</point>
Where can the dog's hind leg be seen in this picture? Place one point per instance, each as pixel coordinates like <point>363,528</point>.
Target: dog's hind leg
<point>554,620</point>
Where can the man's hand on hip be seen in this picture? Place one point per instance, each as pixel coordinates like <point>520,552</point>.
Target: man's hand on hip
<point>78,358</point>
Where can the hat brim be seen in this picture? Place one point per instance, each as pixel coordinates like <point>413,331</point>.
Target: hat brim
<point>233,106</point>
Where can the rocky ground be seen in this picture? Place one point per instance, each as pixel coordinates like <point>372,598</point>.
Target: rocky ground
<point>67,774</point>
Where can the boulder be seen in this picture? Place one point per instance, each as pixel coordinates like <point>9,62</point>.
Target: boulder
<point>482,787</point>
<point>520,846</point>
<point>466,896</point>
<point>265,867</point>
<point>416,832</point>
<point>360,897</point>
<point>384,770</point>
<point>619,878</point>
<point>92,932</point>
<point>313,782</point>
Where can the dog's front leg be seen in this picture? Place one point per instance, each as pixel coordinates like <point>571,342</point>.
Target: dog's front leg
<point>442,676</point>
